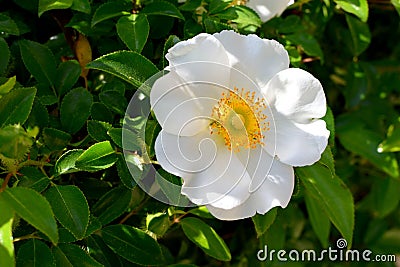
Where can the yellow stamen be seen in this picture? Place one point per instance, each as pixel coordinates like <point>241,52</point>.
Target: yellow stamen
<point>239,119</point>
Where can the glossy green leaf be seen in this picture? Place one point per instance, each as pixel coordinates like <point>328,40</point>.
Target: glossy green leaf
<point>35,253</point>
<point>245,18</point>
<point>66,163</point>
<point>14,142</point>
<point>75,109</point>
<point>97,157</point>
<point>39,60</point>
<point>205,238</point>
<point>162,8</point>
<point>16,106</point>
<point>318,219</point>
<point>158,223</point>
<point>396,4</point>
<point>8,25</point>
<point>263,222</point>
<point>68,73</point>
<point>5,55</point>
<point>129,66</point>
<point>55,139</point>
<point>115,101</point>
<point>100,112</point>
<point>333,196</point>
<point>112,205</point>
<point>202,212</point>
<point>73,255</point>
<point>70,208</point>
<point>360,34</point>
<point>126,139</point>
<point>356,7</point>
<point>133,31</point>
<point>110,10</point>
<point>365,142</point>
<point>8,85</point>
<point>33,178</point>
<point>101,252</point>
<point>98,130</point>
<point>133,244</point>
<point>124,173</point>
<point>392,141</point>
<point>213,26</point>
<point>81,5</point>
<point>6,237</point>
<point>308,43</point>
<point>171,41</point>
<point>46,5</point>
<point>33,208</point>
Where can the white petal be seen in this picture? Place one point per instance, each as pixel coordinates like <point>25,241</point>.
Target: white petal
<point>296,144</point>
<point>181,108</point>
<point>185,155</point>
<point>267,9</point>
<point>259,59</point>
<point>202,58</point>
<point>276,190</point>
<point>212,174</point>
<point>297,95</point>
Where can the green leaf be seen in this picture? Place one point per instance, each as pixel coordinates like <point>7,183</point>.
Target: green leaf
<point>213,25</point>
<point>5,55</point>
<point>14,142</point>
<point>39,60</point>
<point>162,8</point>
<point>6,238</point>
<point>129,66</point>
<point>205,238</point>
<point>101,252</point>
<point>112,205</point>
<point>263,222</point>
<point>33,208</point>
<point>396,4</point>
<point>33,178</point>
<point>70,208</point>
<point>97,157</point>
<point>333,196</point>
<point>115,101</point>
<point>356,7</point>
<point>246,18</point>
<point>46,5</point>
<point>98,130</point>
<point>35,253</point>
<point>365,143</point>
<point>66,163</point>
<point>392,141</point>
<point>360,34</point>
<point>100,112</point>
<point>190,5</point>
<point>171,41</point>
<point>308,43</point>
<point>68,73</point>
<point>73,255</point>
<point>110,10</point>
<point>319,222</point>
<point>8,85</point>
<point>126,139</point>
<point>133,31</point>
<point>16,106</point>
<point>55,139</point>
<point>158,223</point>
<point>81,5</point>
<point>124,173</point>
<point>133,244</point>
<point>8,25</point>
<point>75,109</point>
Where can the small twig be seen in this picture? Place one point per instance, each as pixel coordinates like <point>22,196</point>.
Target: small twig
<point>26,237</point>
<point>4,185</point>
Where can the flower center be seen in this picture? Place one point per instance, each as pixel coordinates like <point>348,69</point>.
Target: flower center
<point>239,119</point>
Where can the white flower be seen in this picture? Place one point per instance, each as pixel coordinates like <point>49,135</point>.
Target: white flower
<point>235,119</point>
<point>267,9</point>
